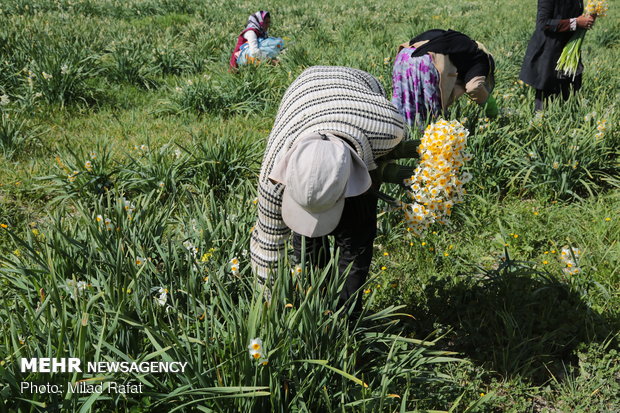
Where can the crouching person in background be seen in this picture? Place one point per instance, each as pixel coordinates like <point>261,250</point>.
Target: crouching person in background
<point>254,44</point>
<point>333,129</point>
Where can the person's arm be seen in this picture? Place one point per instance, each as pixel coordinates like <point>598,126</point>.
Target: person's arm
<point>476,90</point>
<point>406,149</point>
<point>544,17</point>
<point>393,173</point>
<point>545,20</point>
<point>581,22</point>
<point>252,39</point>
<point>270,233</point>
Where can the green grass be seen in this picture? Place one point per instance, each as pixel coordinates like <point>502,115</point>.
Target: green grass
<point>479,316</point>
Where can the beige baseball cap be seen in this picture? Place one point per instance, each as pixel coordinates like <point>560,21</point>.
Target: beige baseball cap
<point>318,172</point>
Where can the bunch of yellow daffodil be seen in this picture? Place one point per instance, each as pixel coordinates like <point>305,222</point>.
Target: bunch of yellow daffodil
<point>597,8</point>
<point>571,55</point>
<point>570,257</point>
<point>437,183</point>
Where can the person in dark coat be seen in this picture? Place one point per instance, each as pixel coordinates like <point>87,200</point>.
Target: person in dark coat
<point>556,20</point>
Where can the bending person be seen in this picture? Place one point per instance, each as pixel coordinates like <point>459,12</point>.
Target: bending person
<point>435,68</point>
<point>332,127</point>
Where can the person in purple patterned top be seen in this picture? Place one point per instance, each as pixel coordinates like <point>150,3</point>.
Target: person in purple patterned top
<point>415,87</point>
<point>436,67</point>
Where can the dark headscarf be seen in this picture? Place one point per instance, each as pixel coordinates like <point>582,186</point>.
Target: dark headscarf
<point>469,59</point>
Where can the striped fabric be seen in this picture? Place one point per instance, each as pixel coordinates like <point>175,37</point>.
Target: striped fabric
<point>347,102</point>
<point>256,21</point>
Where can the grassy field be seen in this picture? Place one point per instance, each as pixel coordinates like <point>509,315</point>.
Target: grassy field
<point>128,167</point>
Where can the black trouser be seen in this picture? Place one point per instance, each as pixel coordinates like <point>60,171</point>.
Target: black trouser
<point>566,86</point>
<point>354,236</point>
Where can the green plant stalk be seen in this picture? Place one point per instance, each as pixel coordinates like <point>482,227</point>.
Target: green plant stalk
<point>569,59</point>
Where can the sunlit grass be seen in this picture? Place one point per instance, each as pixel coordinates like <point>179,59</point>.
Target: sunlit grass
<point>166,202</point>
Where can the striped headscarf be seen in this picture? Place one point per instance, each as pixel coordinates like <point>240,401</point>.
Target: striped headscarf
<point>346,102</point>
<point>256,21</point>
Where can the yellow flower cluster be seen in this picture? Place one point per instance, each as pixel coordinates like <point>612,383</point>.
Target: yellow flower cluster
<point>485,124</point>
<point>296,270</point>
<point>597,7</point>
<point>207,255</point>
<point>127,206</point>
<point>72,175</point>
<point>106,221</point>
<point>570,256</point>
<point>162,298</point>
<point>257,352</point>
<point>234,266</point>
<point>88,164</point>
<point>437,183</point>
<point>601,127</point>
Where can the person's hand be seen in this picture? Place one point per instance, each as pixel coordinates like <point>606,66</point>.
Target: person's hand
<point>404,150</point>
<point>390,173</point>
<point>395,174</point>
<point>585,21</point>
